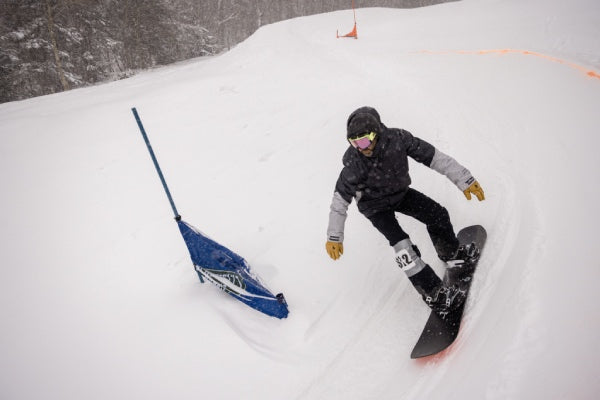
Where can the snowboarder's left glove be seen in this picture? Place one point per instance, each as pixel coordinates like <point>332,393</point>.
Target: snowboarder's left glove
<point>475,189</point>
<point>334,249</point>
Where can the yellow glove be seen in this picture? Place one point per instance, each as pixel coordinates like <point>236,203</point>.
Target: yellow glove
<point>476,190</point>
<point>334,249</point>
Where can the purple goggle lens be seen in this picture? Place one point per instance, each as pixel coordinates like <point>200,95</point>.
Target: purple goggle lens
<point>363,141</point>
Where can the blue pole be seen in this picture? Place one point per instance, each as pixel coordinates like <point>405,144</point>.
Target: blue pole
<point>160,174</point>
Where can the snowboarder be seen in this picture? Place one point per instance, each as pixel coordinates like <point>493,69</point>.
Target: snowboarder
<point>376,173</point>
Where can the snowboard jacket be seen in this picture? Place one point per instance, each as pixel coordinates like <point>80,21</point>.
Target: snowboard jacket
<point>380,182</point>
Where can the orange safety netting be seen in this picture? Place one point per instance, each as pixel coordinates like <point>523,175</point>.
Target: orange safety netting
<point>588,72</point>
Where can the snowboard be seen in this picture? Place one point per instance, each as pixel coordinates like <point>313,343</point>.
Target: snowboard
<point>439,333</point>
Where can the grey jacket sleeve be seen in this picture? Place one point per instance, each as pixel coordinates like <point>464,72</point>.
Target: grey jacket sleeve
<point>448,166</point>
<point>337,218</point>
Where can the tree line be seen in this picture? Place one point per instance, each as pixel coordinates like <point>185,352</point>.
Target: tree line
<point>48,46</point>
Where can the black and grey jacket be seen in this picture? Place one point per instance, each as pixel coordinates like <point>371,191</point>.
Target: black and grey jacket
<point>379,182</point>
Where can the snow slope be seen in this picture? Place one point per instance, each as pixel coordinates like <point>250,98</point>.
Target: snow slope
<point>98,298</point>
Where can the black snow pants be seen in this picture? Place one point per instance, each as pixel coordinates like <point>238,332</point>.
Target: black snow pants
<point>415,204</point>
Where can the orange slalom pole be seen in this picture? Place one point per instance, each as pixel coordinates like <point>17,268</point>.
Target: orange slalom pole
<point>353,33</point>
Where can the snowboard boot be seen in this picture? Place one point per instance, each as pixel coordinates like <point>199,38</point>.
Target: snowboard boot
<point>445,299</point>
<point>465,257</point>
<point>440,298</point>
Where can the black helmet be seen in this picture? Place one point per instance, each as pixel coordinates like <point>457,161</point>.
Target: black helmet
<point>363,120</point>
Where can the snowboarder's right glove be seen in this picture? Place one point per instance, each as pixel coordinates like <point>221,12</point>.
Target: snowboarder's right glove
<point>334,249</point>
<point>475,189</point>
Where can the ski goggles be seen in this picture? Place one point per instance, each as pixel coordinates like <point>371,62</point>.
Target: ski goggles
<point>363,141</point>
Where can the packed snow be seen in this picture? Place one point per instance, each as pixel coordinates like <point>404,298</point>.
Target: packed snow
<point>98,296</point>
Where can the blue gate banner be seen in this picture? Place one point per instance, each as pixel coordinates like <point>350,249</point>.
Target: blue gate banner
<point>230,272</point>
